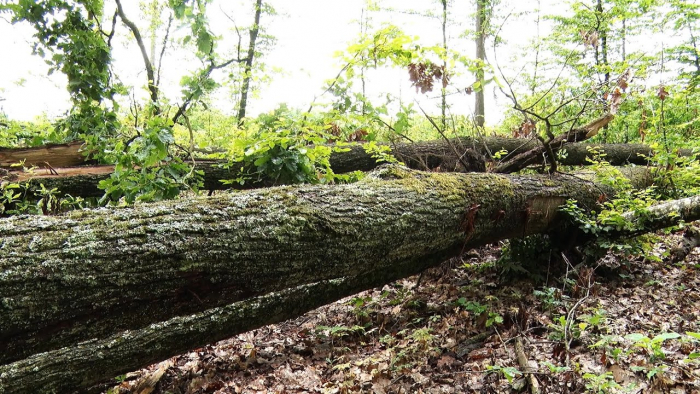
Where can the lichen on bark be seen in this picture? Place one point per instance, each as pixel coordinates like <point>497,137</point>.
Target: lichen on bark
<point>93,273</point>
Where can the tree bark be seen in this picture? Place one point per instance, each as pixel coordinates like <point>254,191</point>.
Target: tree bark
<point>71,369</point>
<point>446,74</point>
<point>231,263</point>
<point>153,89</point>
<point>661,215</point>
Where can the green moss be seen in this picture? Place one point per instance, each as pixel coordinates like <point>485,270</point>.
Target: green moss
<point>448,186</point>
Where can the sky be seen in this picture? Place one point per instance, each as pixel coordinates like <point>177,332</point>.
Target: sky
<point>308,32</point>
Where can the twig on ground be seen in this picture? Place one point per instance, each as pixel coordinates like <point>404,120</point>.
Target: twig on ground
<point>525,366</point>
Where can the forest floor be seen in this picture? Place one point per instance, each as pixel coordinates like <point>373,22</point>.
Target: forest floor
<point>471,326</point>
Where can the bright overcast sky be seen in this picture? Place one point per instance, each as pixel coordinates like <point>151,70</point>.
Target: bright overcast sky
<point>308,32</point>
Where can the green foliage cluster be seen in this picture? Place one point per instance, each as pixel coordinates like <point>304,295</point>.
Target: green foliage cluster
<point>480,310</point>
<point>649,346</point>
<point>69,40</point>
<point>677,176</point>
<point>286,149</point>
<point>19,198</point>
<point>609,219</point>
<point>40,131</point>
<point>67,31</point>
<point>589,64</point>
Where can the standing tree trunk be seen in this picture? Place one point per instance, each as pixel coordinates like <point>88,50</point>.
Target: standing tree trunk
<point>479,111</point>
<point>445,76</point>
<point>695,54</point>
<point>147,62</point>
<point>248,65</point>
<point>603,30</point>
<point>601,56</point>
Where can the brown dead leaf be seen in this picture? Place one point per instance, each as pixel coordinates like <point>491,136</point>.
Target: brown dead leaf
<point>419,378</point>
<point>662,93</point>
<point>625,78</point>
<point>381,385</point>
<point>358,135</point>
<point>479,354</point>
<point>619,374</point>
<point>616,100</point>
<point>446,361</point>
<point>423,75</point>
<point>196,385</point>
<point>525,130</point>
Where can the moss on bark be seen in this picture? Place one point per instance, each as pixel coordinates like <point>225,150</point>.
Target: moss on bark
<point>92,273</point>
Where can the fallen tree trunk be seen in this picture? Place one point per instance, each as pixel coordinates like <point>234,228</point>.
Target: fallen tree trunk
<point>83,181</point>
<point>52,155</point>
<point>94,273</point>
<point>548,149</point>
<point>73,368</point>
<point>431,154</point>
<point>661,216</point>
<point>420,155</point>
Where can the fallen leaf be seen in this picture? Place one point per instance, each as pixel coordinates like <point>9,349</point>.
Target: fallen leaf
<point>619,374</point>
<point>446,361</point>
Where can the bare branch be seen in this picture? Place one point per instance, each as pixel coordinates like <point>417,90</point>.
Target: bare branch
<point>238,32</point>
<point>162,51</point>
<point>554,83</point>
<point>442,133</point>
<point>186,103</point>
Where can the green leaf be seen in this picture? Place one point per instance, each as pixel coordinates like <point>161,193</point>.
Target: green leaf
<point>665,336</point>
<point>204,42</point>
<point>695,335</point>
<point>636,337</point>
